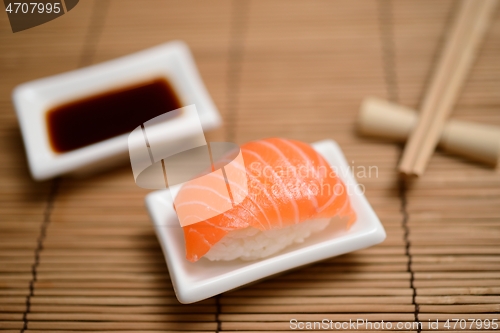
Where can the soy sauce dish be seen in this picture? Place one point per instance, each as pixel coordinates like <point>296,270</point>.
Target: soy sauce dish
<point>79,121</point>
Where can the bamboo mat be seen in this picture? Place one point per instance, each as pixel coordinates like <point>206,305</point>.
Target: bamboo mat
<point>81,255</point>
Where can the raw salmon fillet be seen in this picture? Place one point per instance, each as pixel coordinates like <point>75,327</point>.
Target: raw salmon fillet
<point>288,183</point>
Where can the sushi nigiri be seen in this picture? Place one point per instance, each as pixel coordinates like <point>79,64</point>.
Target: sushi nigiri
<point>292,193</point>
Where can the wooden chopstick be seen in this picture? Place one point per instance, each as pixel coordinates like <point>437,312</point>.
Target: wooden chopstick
<point>466,34</point>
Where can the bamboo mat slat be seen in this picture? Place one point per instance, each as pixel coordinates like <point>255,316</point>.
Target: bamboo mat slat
<point>274,68</point>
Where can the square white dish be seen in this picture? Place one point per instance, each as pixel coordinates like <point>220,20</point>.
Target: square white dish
<point>197,281</point>
<point>32,100</point>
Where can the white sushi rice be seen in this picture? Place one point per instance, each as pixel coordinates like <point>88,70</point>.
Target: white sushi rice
<point>251,243</point>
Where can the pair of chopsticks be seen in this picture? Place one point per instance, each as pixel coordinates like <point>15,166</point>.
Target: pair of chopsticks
<point>459,52</point>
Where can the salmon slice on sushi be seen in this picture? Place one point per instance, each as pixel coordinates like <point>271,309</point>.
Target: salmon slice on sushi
<point>292,194</point>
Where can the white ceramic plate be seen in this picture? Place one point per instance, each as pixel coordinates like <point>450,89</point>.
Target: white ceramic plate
<point>197,281</point>
<point>34,99</point>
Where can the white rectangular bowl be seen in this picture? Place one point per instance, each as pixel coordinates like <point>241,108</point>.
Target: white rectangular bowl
<point>197,281</point>
<point>172,61</point>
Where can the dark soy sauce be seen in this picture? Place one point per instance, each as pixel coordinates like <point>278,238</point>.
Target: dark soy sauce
<point>99,117</point>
